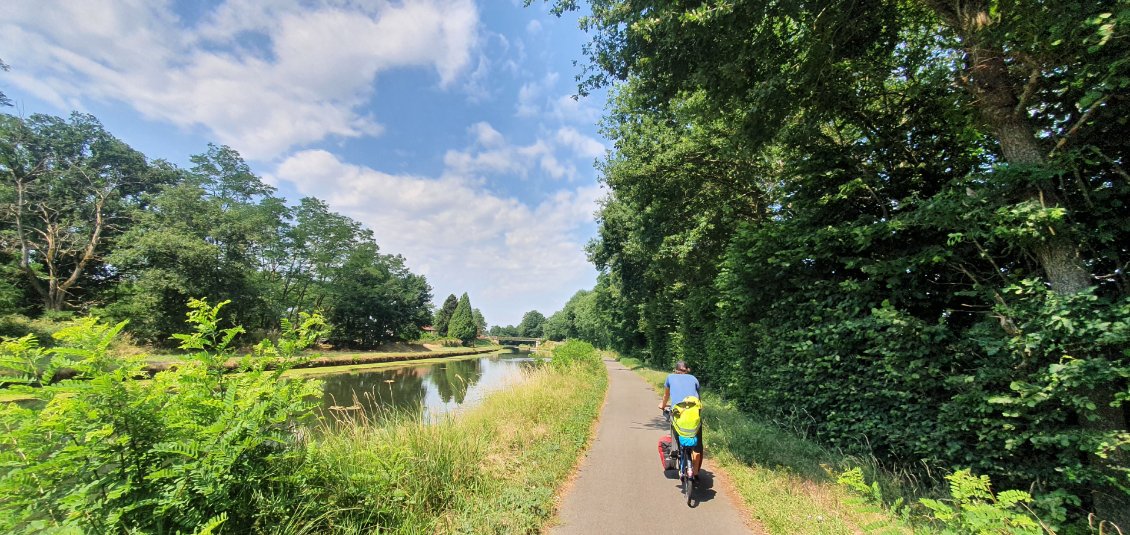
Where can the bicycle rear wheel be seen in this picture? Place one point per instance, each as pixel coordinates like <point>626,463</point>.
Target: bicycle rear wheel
<point>688,489</point>
<point>688,481</point>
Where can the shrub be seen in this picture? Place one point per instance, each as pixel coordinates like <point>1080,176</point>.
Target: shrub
<point>972,508</point>
<point>575,353</point>
<point>190,450</point>
<point>16,326</point>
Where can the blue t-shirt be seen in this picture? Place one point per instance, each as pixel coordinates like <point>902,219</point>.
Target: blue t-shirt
<point>681,386</point>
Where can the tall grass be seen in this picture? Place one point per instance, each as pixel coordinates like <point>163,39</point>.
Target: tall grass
<point>492,469</point>
<point>787,483</point>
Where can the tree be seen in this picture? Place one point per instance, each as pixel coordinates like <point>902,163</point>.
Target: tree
<point>4,100</point>
<point>1011,62</point>
<point>559,325</point>
<point>462,325</point>
<point>498,330</point>
<point>69,187</point>
<point>480,323</point>
<point>312,251</point>
<point>375,299</point>
<point>215,232</point>
<point>883,203</point>
<point>443,315</point>
<point>531,324</point>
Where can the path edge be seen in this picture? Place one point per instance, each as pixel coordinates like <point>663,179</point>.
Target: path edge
<point>571,479</point>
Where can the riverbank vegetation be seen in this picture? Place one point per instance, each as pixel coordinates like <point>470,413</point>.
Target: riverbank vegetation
<point>901,226</point>
<point>196,450</point>
<point>494,469</point>
<point>91,226</point>
<point>457,321</point>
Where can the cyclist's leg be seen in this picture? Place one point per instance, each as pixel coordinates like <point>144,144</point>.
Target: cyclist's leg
<point>696,453</point>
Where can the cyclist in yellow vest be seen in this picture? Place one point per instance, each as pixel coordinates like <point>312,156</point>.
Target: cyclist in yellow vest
<point>677,387</point>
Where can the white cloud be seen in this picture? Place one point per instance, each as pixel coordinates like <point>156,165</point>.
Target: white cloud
<point>533,26</point>
<point>313,69</point>
<point>531,96</point>
<point>492,155</point>
<point>576,110</point>
<point>581,144</point>
<point>486,135</point>
<point>452,231</point>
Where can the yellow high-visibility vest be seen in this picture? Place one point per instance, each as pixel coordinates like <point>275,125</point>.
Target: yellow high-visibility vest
<point>685,417</point>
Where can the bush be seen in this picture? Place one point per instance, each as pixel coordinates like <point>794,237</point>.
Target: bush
<point>575,353</point>
<point>191,449</point>
<point>17,326</point>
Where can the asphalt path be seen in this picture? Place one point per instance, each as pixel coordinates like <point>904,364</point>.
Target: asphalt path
<point>621,487</point>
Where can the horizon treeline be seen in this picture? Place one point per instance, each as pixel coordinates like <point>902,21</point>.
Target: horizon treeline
<point>901,227</point>
<point>89,225</point>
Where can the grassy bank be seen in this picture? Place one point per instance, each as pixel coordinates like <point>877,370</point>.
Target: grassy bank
<point>196,450</point>
<point>788,484</point>
<point>493,469</point>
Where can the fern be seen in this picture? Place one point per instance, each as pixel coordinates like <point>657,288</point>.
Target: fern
<point>973,507</point>
<point>190,451</point>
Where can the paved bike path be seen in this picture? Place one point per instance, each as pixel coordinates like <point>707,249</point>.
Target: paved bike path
<point>620,487</point>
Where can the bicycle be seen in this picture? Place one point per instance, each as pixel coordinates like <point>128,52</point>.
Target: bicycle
<point>684,465</point>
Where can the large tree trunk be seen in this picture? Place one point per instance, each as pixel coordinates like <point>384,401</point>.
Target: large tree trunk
<point>998,103</point>
<point>997,100</point>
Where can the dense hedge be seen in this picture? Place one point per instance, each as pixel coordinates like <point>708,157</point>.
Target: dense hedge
<point>808,209</point>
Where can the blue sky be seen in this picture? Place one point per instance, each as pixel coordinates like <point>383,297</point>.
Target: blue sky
<point>447,127</point>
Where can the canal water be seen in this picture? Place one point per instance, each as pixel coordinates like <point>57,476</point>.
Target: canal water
<point>428,390</point>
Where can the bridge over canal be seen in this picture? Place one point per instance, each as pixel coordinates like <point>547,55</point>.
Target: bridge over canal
<point>515,341</point>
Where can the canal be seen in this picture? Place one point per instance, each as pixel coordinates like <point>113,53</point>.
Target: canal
<point>427,390</point>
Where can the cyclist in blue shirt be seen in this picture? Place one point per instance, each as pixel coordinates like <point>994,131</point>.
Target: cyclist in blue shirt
<point>677,387</point>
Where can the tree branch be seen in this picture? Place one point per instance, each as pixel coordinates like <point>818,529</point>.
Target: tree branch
<point>1075,128</point>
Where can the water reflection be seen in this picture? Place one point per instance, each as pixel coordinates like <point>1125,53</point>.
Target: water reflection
<point>454,378</point>
<point>426,390</point>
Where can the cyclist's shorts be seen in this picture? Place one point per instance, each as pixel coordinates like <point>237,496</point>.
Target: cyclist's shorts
<point>688,442</point>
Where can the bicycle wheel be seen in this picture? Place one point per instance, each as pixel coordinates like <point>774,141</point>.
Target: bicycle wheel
<point>688,481</point>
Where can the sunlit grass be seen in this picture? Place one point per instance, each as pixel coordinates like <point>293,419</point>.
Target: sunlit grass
<point>494,468</point>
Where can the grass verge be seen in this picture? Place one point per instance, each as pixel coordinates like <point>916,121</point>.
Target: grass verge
<point>787,483</point>
<point>493,469</point>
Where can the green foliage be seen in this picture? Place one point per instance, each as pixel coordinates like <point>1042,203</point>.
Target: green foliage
<point>192,449</point>
<point>509,330</point>
<point>807,210</point>
<point>90,225</point>
<point>854,480</point>
<point>580,318</point>
<point>462,325</point>
<point>576,353</point>
<point>531,324</point>
<point>15,326</point>
<point>443,315</point>
<point>973,508</point>
<point>976,509</point>
<point>480,322</point>
<point>373,299</point>
<point>68,188</point>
